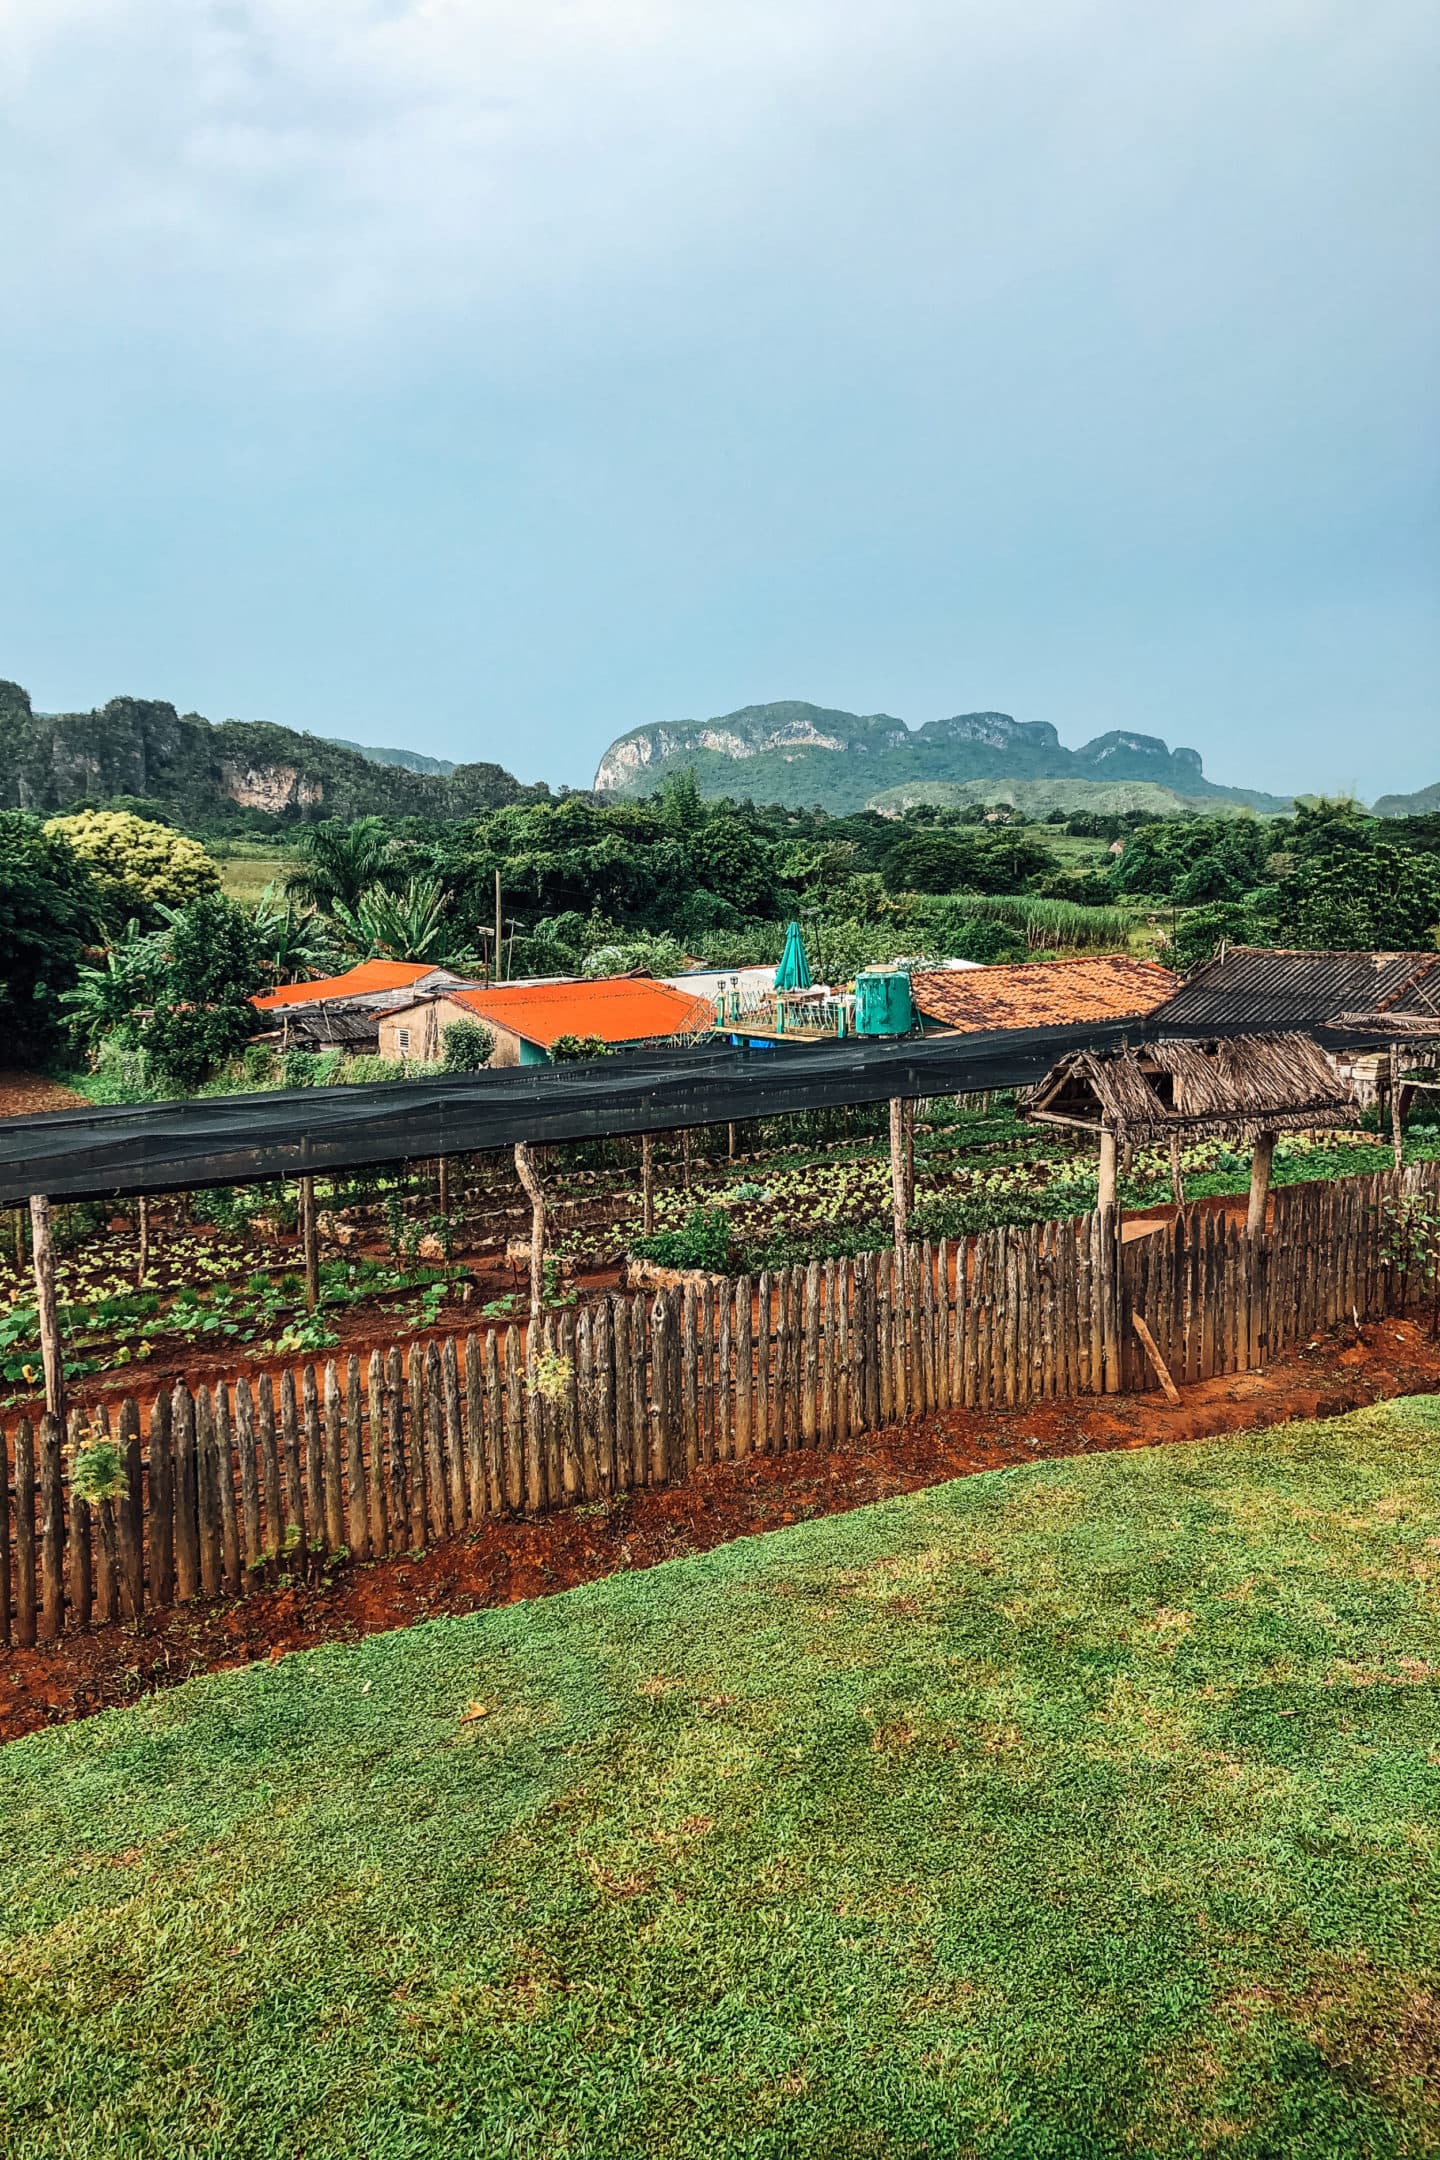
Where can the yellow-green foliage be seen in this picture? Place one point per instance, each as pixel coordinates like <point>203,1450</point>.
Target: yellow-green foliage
<point>140,866</point>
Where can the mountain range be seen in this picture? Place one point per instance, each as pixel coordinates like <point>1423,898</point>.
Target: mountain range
<point>801,754</point>
<point>213,774</point>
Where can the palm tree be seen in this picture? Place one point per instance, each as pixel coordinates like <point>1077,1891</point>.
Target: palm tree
<point>108,996</point>
<point>296,942</point>
<point>343,862</point>
<point>411,924</point>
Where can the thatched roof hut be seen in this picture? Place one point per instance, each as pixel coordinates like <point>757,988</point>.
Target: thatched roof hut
<point>1232,1089</point>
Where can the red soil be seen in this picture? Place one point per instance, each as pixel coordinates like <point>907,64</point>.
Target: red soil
<point>529,1557</point>
<point>26,1094</point>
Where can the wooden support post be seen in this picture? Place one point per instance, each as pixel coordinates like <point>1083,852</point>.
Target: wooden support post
<point>42,1246</point>
<point>1177,1181</point>
<point>142,1227</point>
<point>1107,1215</point>
<point>526,1172</point>
<point>685,1155</point>
<point>309,1242</point>
<point>442,1184</point>
<point>730,1141</point>
<point>897,1178</point>
<point>909,1158</point>
<point>1260,1163</point>
<point>1152,1351</point>
<point>19,1239</point>
<point>1108,1180</point>
<point>647,1183</point>
<point>1397,1130</point>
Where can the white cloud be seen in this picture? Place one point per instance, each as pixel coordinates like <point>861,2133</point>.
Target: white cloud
<point>257,168</point>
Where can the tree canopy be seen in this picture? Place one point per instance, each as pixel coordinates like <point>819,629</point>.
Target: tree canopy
<point>139,867</point>
<point>50,910</point>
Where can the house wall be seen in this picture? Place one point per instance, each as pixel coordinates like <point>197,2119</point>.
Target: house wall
<point>424,1023</point>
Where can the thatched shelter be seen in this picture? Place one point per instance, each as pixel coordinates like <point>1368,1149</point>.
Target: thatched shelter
<point>1243,1088</point>
<point>1232,1089</point>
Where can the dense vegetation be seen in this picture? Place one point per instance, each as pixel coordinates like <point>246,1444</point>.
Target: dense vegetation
<point>1085,1808</point>
<point>595,887</point>
<point>1329,877</point>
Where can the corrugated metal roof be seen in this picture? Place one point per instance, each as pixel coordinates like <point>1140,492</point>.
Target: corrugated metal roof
<point>1043,993</point>
<point>615,1008</point>
<point>1251,987</point>
<point>367,980</point>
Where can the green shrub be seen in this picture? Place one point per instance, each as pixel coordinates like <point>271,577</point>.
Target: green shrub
<point>466,1046</point>
<point>702,1241</point>
<point>579,1049</point>
<point>369,1070</point>
<point>985,939</point>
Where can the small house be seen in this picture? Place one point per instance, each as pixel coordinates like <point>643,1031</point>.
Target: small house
<point>345,1009</point>
<point>528,1019</point>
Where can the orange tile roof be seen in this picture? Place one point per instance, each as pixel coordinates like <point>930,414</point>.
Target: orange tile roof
<point>370,977</point>
<point>617,1008</point>
<point>1043,993</point>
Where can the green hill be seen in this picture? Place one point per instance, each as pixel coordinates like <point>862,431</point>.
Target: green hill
<point>802,754</point>
<point>1037,798</point>
<point>219,775</point>
<point>1425,802</point>
<point>412,760</point>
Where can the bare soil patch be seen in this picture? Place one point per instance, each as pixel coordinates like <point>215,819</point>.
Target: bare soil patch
<point>527,1557</point>
<point>27,1094</point>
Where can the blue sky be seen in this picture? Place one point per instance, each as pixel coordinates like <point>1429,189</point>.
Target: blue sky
<point>491,376</point>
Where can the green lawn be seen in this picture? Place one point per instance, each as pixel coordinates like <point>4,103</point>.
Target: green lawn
<point>1081,1809</point>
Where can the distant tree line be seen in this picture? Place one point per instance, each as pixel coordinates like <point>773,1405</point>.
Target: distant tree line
<point>114,932</point>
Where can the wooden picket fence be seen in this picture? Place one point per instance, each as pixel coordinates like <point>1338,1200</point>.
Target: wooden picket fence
<point>257,1479</point>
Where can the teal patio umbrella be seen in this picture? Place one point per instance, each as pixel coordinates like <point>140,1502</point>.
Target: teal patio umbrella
<point>793,972</point>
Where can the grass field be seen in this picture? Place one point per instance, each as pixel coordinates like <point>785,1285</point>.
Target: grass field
<point>1084,1809</point>
<point>247,867</point>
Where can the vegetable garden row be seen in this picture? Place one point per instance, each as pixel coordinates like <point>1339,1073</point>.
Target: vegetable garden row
<point>225,1271</point>
<point>200,1492</point>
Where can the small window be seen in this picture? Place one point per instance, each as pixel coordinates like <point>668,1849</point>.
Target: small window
<point>402,1038</point>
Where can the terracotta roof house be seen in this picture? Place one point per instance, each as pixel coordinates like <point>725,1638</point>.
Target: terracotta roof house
<point>528,1019</point>
<point>1041,993</point>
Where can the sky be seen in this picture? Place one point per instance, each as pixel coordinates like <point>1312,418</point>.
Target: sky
<point>489,377</point>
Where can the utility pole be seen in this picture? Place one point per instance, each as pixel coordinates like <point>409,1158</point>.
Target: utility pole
<point>499,928</point>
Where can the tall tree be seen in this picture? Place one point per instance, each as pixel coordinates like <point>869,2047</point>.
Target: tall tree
<point>49,909</point>
<point>340,863</point>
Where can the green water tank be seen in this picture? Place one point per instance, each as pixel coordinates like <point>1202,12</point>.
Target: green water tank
<point>882,1002</point>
